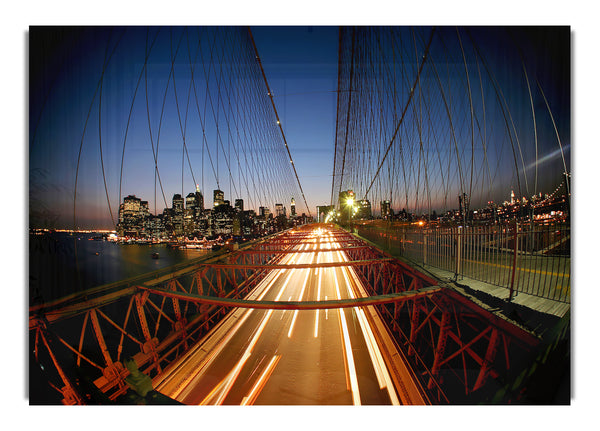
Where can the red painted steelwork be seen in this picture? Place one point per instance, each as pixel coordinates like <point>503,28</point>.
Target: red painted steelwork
<point>449,341</point>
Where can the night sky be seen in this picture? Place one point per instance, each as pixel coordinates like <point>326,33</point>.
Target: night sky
<point>67,127</point>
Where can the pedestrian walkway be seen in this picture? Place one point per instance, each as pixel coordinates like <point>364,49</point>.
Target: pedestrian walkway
<point>532,313</point>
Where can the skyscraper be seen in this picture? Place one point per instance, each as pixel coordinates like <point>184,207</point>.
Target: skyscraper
<point>264,212</point>
<point>218,198</point>
<point>177,214</point>
<point>191,209</point>
<point>199,199</point>
<point>131,213</point>
<point>279,210</point>
<point>190,203</point>
<point>293,208</point>
<point>239,205</point>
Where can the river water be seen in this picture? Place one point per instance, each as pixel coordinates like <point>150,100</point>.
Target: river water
<point>61,263</point>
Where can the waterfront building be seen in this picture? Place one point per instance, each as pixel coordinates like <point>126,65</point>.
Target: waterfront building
<point>222,220</point>
<point>190,212</point>
<point>177,214</point>
<point>131,217</point>
<point>204,223</point>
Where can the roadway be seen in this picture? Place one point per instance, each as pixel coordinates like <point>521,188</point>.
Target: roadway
<point>292,357</point>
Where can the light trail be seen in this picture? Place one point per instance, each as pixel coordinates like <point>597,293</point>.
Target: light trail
<point>235,373</point>
<point>299,299</point>
<point>246,354</point>
<point>260,383</point>
<point>383,377</point>
<point>316,333</point>
<point>185,384</point>
<point>350,367</point>
<point>350,360</point>
<point>229,381</point>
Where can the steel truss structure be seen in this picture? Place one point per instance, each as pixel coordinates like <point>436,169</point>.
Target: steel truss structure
<point>93,344</point>
<point>453,344</point>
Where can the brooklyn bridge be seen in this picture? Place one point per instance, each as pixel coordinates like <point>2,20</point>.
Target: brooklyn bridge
<point>433,267</point>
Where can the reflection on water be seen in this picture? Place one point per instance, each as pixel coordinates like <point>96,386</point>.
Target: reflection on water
<point>60,263</point>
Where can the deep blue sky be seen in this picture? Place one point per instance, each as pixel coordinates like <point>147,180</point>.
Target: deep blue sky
<point>301,66</point>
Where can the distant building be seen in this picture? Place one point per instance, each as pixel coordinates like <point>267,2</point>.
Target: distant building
<point>363,209</point>
<point>177,214</point>
<point>463,205</point>
<point>155,227</point>
<point>204,223</point>
<point>191,203</point>
<point>222,220</point>
<point>386,210</point>
<point>132,215</point>
<point>279,210</point>
<point>239,205</point>
<point>293,208</point>
<point>199,200</point>
<point>218,198</point>
<point>190,212</point>
<point>264,212</point>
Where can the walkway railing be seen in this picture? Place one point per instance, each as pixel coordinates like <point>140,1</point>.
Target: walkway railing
<point>533,259</point>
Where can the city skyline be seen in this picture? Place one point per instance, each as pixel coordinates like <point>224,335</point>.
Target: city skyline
<point>188,218</point>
